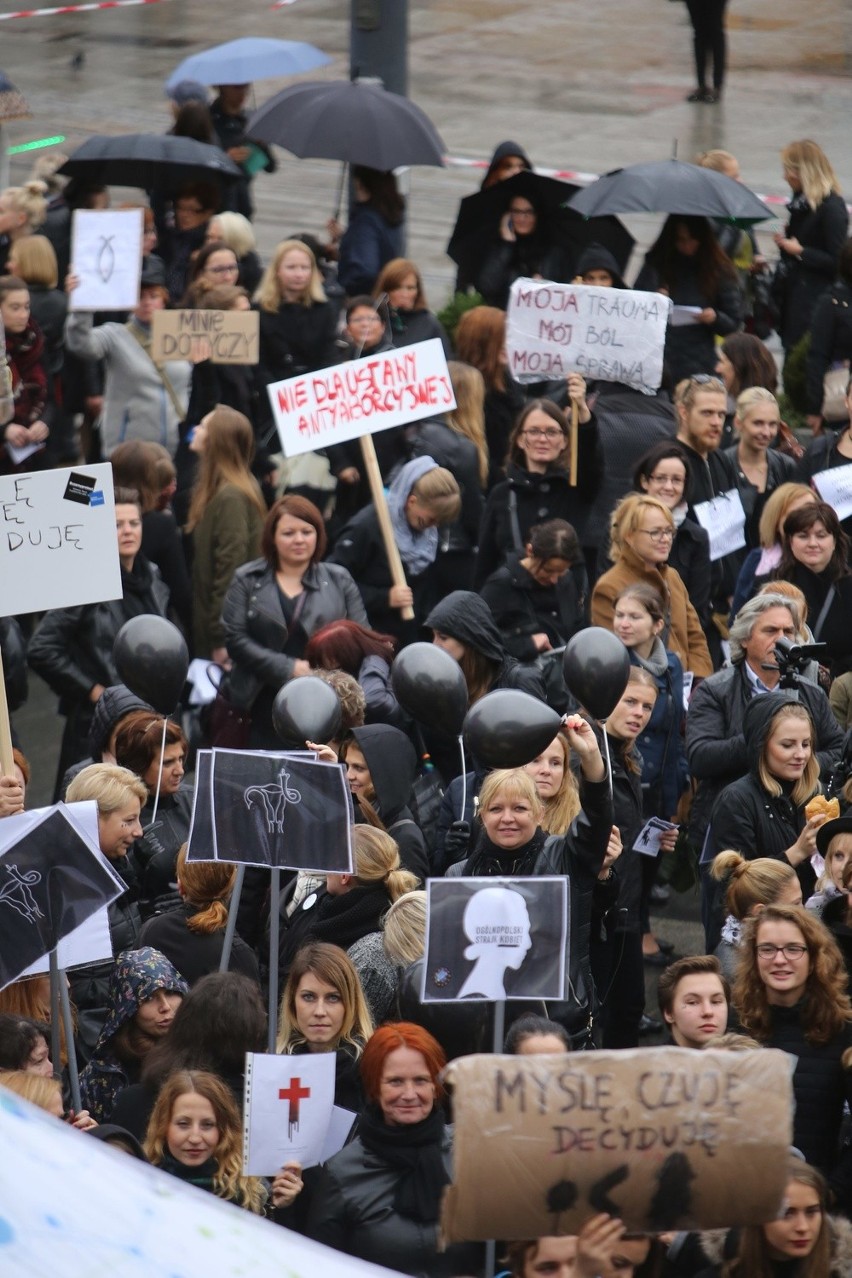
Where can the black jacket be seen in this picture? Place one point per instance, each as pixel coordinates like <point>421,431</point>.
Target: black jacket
<point>690,557</point>
<point>822,233</point>
<point>392,761</point>
<point>523,608</point>
<point>831,339</point>
<point>404,328</point>
<point>294,339</point>
<point>835,627</point>
<point>458,455</point>
<point>715,745</point>
<point>780,469</point>
<point>156,852</point>
<point>527,256</point>
<point>821,454</point>
<point>709,477</point>
<point>72,648</point>
<point>627,796</point>
<point>537,498</point>
<point>336,920</point>
<point>195,954</point>
<point>691,348</point>
<point>361,549</point>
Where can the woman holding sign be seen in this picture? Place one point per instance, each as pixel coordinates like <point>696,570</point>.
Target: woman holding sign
<point>815,557</point>
<point>832,451</point>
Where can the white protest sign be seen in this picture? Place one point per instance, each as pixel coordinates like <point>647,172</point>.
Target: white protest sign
<point>287,1110</point>
<point>58,545</point>
<point>493,939</point>
<point>106,257</point>
<point>723,518</point>
<point>361,397</point>
<point>89,943</point>
<point>233,335</point>
<point>650,837</point>
<point>835,487</point>
<point>609,334</point>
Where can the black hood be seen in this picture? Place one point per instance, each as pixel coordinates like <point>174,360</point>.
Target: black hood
<point>112,705</point>
<point>110,1134</point>
<point>465,616</point>
<point>598,258</point>
<point>500,153</point>
<point>392,761</point>
<point>760,714</point>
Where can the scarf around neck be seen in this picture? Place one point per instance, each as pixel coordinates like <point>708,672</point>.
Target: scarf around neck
<point>417,549</point>
<point>416,1151</point>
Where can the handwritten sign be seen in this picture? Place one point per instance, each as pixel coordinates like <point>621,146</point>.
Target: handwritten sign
<point>609,334</point>
<point>723,518</point>
<point>232,335</point>
<point>288,1108</point>
<point>106,256</point>
<point>664,1138</point>
<point>493,939</point>
<point>58,545</point>
<point>835,487</point>
<point>361,397</point>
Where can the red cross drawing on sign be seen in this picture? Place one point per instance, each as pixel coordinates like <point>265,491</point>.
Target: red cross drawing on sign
<point>294,1094</point>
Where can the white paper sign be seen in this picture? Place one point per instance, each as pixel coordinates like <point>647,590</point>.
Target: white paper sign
<point>361,397</point>
<point>609,334</point>
<point>58,545</point>
<point>650,837</point>
<point>723,518</point>
<point>835,487</point>
<point>106,256</point>
<point>89,943</point>
<point>688,680</point>
<point>287,1112</point>
<point>682,316</point>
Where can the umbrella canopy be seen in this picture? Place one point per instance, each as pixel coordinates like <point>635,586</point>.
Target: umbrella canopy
<point>351,121</point>
<point>249,59</point>
<point>478,221</point>
<point>147,160</point>
<point>671,186</point>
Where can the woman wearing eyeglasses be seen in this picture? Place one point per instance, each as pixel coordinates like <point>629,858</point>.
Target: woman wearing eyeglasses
<point>642,531</point>
<point>536,488</point>
<point>523,249</point>
<point>790,993</point>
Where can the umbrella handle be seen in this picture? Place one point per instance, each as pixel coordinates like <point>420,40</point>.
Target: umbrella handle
<point>340,188</point>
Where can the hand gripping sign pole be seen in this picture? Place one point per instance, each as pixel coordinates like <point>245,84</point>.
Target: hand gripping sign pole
<point>377,491</point>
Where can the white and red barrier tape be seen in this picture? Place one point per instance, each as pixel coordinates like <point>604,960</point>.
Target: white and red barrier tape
<point>75,8</point>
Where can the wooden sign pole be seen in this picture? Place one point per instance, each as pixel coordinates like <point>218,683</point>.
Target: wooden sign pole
<point>575,424</point>
<point>7,763</point>
<point>377,491</point>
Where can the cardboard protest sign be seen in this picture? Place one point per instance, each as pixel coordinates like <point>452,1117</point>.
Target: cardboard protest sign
<point>835,487</point>
<point>233,335</point>
<point>361,397</point>
<point>495,938</point>
<point>58,545</point>
<point>664,1138</point>
<point>106,256</point>
<point>52,879</point>
<point>278,809</point>
<point>98,1211</point>
<point>287,1110</point>
<point>609,334</point>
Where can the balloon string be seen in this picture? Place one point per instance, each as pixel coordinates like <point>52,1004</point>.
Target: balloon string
<point>608,761</point>
<point>463,778</point>
<point>160,770</point>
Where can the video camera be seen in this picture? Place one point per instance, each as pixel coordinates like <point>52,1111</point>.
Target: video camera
<point>792,659</point>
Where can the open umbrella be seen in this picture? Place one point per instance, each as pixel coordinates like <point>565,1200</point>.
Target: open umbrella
<point>671,186</point>
<point>478,221</point>
<point>147,160</point>
<point>350,121</point>
<point>251,58</point>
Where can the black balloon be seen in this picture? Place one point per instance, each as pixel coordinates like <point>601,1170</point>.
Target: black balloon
<point>306,709</point>
<point>429,684</point>
<point>596,667</point>
<point>152,659</point>
<point>508,728</point>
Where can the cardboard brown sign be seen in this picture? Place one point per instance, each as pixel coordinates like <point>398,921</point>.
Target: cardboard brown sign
<point>664,1138</point>
<point>233,335</point>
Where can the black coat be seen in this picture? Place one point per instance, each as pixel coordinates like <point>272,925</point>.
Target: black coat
<point>156,852</point>
<point>691,348</point>
<point>392,761</point>
<point>538,498</point>
<point>522,607</point>
<point>836,627</point>
<point>337,920</point>
<point>457,454</point>
<point>822,454</point>
<point>715,745</point>
<point>162,545</point>
<point>822,233</point>
<point>195,954</point>
<point>404,328</point>
<point>525,257</point>
<point>780,469</point>
<point>709,477</point>
<point>831,339</point>
<point>294,339</point>
<point>627,795</point>
<point>690,557</point>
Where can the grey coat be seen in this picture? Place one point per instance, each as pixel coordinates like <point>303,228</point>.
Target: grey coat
<point>255,629</point>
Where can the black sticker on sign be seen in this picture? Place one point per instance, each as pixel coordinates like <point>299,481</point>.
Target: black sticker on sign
<point>80,488</point>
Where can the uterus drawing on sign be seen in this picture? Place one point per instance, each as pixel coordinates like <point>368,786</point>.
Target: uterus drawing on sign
<point>106,258</point>
<point>272,800</point>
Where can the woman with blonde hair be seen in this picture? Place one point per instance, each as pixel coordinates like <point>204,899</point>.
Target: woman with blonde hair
<point>226,517</point>
<point>556,785</point>
<point>23,210</point>
<point>749,887</point>
<point>196,1134</point>
<point>236,231</point>
<point>642,530</point>
<point>790,993</point>
<point>404,929</point>
<point>811,241</point>
<point>762,561</point>
<point>192,936</point>
<point>760,468</point>
<point>297,322</point>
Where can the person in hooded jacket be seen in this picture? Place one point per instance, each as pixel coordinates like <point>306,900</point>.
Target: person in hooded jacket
<point>508,159</point>
<point>537,487</point>
<point>113,706</point>
<point>464,626</point>
<point>145,992</point>
<point>72,649</point>
<point>381,765</point>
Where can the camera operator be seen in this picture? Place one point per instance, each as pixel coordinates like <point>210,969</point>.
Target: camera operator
<point>715,745</point>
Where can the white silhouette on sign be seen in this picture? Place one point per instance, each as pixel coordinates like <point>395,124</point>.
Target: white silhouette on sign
<point>17,893</point>
<point>274,799</point>
<point>497,923</point>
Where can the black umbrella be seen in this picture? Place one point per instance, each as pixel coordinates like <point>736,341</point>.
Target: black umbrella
<point>149,160</point>
<point>350,121</point>
<point>479,215</point>
<point>671,186</point>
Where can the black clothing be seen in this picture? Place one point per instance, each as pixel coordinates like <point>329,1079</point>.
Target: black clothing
<point>337,920</point>
<point>523,258</point>
<point>831,340</point>
<point>780,469</point>
<point>538,498</point>
<point>404,328</point>
<point>836,627</point>
<point>823,454</point>
<point>162,545</point>
<point>230,133</point>
<point>156,852</point>
<point>195,954</point>
<point>458,455</point>
<point>822,233</point>
<point>690,557</point>
<point>708,27</point>
<point>709,477</point>
<point>392,761</point>
<point>691,348</point>
<point>294,339</point>
<point>522,607</point>
<point>501,410</point>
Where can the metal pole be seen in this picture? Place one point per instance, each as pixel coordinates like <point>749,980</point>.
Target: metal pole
<point>274,921</point>
<point>55,1014</point>
<point>497,1048</point>
<point>70,1046</point>
<point>231,928</point>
